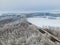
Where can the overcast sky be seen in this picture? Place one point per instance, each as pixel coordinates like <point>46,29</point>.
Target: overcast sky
<point>29,5</point>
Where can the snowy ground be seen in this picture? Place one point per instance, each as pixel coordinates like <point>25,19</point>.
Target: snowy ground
<point>44,22</point>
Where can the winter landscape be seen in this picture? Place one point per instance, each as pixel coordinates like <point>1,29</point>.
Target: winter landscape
<point>29,22</point>
<point>29,29</point>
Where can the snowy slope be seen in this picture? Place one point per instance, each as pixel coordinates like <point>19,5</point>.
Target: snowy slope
<point>44,22</point>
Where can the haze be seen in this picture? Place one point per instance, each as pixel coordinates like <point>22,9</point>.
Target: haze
<point>29,5</point>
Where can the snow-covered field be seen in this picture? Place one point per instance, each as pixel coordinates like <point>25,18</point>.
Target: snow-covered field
<point>44,22</point>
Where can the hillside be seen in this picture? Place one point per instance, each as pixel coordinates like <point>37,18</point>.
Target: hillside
<point>18,31</point>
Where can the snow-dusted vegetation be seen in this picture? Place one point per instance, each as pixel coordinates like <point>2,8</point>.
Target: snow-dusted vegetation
<point>16,30</point>
<point>22,32</point>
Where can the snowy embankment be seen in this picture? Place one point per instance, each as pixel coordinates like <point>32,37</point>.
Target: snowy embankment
<point>44,22</point>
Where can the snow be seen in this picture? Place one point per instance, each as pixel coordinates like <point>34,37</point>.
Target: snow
<point>44,22</point>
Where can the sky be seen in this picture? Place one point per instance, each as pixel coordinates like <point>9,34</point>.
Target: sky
<point>29,5</point>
